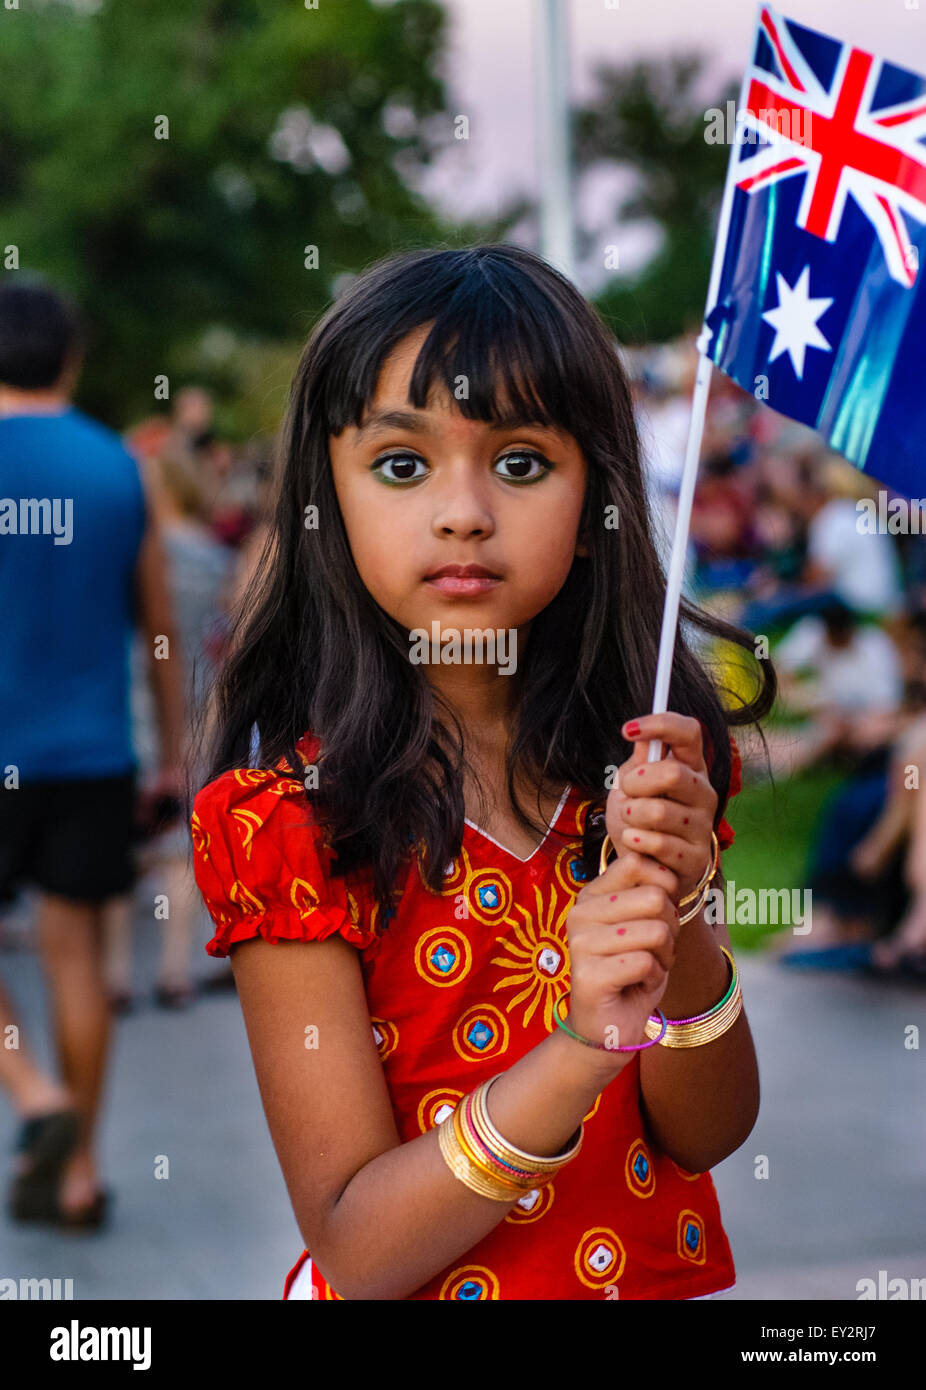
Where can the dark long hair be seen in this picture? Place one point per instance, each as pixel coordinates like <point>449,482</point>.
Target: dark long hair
<point>312,650</point>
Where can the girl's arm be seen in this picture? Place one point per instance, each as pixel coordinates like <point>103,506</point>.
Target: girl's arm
<point>382,1217</point>
<point>700,1103</point>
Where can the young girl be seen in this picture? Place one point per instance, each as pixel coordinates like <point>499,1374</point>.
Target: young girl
<point>473,1048</point>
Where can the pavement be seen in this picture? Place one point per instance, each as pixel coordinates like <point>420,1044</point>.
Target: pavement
<point>841,1135</point>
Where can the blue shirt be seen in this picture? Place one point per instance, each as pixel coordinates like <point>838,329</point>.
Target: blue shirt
<point>72,517</point>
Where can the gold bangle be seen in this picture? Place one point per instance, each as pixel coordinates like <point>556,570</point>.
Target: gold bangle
<point>706,877</point>
<point>700,1031</point>
<point>533,1162</point>
<point>470,1142</point>
<point>697,1034</point>
<point>702,1027</point>
<point>697,907</point>
<point>478,1160</point>
<point>709,873</point>
<point>463,1169</point>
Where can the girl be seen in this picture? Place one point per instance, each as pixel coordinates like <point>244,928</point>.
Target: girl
<point>460,1029</point>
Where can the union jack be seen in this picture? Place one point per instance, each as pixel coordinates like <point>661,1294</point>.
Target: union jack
<point>834,135</point>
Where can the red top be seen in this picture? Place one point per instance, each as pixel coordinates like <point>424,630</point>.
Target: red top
<point>460,985</point>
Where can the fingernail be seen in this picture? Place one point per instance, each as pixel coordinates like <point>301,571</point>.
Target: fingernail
<point>632,728</point>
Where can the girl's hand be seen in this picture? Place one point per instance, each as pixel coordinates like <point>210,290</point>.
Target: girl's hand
<point>621,935</point>
<point>665,809</point>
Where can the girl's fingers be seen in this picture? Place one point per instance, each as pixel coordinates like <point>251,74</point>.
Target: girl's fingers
<point>631,937</point>
<point>684,856</point>
<point>635,968</point>
<point>629,871</point>
<point>692,823</point>
<point>668,778</point>
<point>682,733</point>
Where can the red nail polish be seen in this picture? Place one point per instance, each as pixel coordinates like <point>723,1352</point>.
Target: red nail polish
<point>636,839</point>
<point>685,821</point>
<point>640,771</point>
<point>632,729</point>
<point>621,931</point>
<point>613,898</point>
<point>628,810</point>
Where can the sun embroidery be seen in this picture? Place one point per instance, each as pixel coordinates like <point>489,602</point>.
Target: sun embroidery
<point>538,955</point>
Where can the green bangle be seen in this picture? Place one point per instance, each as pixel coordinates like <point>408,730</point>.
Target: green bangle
<point>603,1047</point>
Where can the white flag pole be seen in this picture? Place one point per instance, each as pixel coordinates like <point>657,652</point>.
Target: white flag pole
<point>695,435</point>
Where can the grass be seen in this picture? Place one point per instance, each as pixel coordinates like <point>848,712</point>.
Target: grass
<point>774,830</point>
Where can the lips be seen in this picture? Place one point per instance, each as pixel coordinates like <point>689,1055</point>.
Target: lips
<point>463,572</point>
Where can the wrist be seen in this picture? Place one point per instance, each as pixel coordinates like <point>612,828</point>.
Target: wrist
<point>584,1064</point>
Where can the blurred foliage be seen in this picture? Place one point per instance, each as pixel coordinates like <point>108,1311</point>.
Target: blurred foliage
<point>288,128</point>
<point>648,117</point>
<point>776,828</point>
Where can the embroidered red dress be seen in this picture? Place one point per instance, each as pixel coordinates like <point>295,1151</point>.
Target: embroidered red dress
<point>459,985</point>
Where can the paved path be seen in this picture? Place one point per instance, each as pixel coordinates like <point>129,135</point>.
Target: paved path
<point>842,1124</point>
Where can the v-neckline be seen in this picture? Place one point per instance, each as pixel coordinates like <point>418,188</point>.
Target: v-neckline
<point>511,854</point>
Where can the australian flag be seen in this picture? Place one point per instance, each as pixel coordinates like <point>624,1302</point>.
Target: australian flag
<point>821,303</point>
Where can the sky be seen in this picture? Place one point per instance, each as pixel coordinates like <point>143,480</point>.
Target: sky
<point>491,76</point>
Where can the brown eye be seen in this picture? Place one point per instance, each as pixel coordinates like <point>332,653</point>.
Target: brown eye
<point>520,462</point>
<point>402,464</point>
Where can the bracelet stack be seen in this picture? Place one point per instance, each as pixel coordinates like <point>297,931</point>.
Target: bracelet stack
<point>703,1028</point>
<point>479,1157</point>
<point>680,1032</point>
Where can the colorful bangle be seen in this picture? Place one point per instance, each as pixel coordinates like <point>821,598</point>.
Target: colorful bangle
<point>463,1168</point>
<point>603,1047</point>
<point>480,1158</point>
<point>549,1163</point>
<point>697,1034</point>
<point>482,1153</point>
<point>705,1027</point>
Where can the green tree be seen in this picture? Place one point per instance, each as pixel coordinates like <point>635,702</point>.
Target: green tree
<point>168,162</point>
<point>648,117</point>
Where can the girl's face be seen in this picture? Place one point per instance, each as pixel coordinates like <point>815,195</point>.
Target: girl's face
<point>432,488</point>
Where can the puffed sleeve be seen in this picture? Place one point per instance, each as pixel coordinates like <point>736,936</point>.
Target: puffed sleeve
<point>262,865</point>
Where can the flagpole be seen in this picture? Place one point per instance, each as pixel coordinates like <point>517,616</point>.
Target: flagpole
<point>695,434</point>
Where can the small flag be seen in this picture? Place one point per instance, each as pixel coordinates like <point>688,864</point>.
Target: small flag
<point>820,307</point>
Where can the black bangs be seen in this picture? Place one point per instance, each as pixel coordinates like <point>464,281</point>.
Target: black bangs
<point>511,340</point>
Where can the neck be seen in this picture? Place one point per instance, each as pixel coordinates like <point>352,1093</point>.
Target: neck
<point>13,402</point>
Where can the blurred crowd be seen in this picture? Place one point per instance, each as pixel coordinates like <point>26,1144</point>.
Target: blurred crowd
<point>786,543</point>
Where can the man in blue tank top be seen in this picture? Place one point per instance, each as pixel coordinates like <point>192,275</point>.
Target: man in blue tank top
<point>81,566</point>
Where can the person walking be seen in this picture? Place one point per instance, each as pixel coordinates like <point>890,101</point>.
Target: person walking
<point>81,563</point>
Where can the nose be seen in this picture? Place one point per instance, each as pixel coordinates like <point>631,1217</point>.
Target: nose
<point>462,507</point>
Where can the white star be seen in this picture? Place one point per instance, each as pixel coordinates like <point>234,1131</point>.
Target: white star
<point>795,321</point>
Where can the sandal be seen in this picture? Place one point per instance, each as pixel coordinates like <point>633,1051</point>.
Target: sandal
<point>48,1141</point>
<point>91,1216</point>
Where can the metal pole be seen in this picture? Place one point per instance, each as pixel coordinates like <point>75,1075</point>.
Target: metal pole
<point>556,220</point>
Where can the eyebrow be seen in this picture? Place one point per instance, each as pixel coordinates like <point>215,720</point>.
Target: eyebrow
<point>383,420</point>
